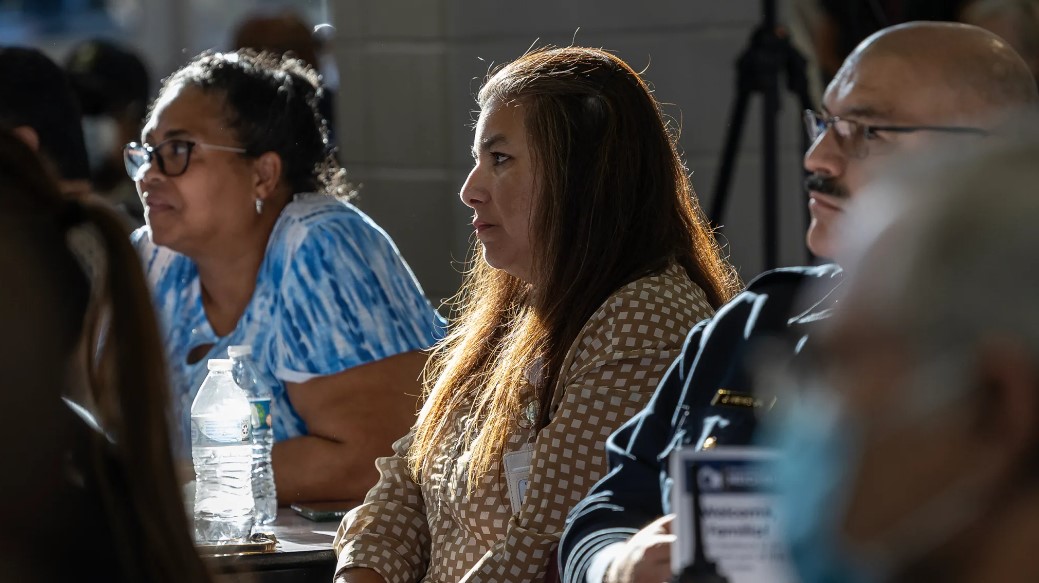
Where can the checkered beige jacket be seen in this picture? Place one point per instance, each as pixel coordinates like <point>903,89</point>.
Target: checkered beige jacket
<point>434,532</point>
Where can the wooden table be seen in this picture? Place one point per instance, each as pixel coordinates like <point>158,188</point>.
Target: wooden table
<point>304,554</point>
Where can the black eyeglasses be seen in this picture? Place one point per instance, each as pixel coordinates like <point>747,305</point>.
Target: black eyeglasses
<point>854,136</point>
<point>172,156</point>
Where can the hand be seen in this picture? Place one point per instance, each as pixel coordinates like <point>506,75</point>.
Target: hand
<point>646,557</point>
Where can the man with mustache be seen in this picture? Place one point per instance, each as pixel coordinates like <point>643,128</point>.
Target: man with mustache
<point>903,89</point>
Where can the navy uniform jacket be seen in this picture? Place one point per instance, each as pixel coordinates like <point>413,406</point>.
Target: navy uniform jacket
<point>706,398</point>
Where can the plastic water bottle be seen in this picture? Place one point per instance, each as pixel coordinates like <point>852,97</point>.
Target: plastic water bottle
<point>259,393</point>
<point>222,454</point>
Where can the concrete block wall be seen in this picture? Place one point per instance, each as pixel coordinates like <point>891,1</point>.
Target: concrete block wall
<point>410,69</point>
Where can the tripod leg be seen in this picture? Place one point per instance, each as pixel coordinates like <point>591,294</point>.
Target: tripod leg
<point>728,163</point>
<point>770,175</point>
<point>797,83</point>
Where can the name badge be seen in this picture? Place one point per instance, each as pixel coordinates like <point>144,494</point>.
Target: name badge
<point>737,513</point>
<point>517,474</point>
<point>729,398</point>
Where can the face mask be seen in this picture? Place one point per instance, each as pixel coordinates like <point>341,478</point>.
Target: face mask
<point>100,134</point>
<point>820,446</point>
<point>811,478</point>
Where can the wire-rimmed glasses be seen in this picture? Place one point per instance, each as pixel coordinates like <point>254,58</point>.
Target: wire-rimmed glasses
<point>855,136</point>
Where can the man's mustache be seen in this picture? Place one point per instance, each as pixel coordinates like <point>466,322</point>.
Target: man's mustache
<point>825,185</point>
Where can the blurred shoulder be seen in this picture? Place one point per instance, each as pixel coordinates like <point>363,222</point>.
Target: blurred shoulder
<point>772,299</point>
<point>796,278</point>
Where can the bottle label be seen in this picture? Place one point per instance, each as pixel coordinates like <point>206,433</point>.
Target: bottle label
<point>214,430</point>
<point>261,414</point>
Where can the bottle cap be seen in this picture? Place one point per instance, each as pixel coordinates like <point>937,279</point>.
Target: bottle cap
<point>220,364</point>
<point>239,350</point>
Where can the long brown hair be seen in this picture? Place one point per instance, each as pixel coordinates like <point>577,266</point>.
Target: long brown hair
<point>105,308</point>
<point>614,204</point>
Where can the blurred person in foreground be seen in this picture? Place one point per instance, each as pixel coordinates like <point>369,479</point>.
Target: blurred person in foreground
<point>904,91</point>
<point>594,261</point>
<point>113,88</point>
<point>249,240</point>
<point>38,104</point>
<point>88,491</point>
<point>911,449</point>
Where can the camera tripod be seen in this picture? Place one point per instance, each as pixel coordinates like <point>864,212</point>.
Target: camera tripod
<point>768,56</point>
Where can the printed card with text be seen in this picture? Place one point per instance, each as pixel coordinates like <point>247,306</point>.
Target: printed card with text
<point>737,500</point>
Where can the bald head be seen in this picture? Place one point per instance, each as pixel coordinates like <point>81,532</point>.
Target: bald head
<point>927,83</point>
<point>972,66</point>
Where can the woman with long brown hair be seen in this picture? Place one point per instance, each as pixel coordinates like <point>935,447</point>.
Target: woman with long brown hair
<point>596,261</point>
<point>88,490</point>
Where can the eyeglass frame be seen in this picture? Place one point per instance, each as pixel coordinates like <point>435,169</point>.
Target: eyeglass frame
<point>869,131</point>
<point>153,155</point>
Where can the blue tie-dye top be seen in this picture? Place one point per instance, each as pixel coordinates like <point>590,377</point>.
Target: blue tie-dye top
<point>332,293</point>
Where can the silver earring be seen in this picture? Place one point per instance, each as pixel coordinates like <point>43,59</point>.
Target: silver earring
<point>259,206</point>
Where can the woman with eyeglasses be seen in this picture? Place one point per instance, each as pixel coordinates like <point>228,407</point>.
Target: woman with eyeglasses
<point>249,240</point>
